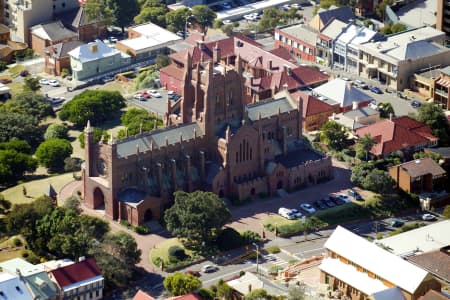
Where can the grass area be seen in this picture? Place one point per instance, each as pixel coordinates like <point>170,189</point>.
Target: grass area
<point>343,213</point>
<point>14,71</point>
<point>8,250</point>
<point>277,220</point>
<point>16,88</point>
<point>36,188</point>
<point>162,250</point>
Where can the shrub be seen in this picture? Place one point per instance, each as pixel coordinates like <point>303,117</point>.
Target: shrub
<point>446,212</point>
<point>141,229</point>
<point>273,249</point>
<point>125,223</point>
<point>30,257</point>
<point>157,261</point>
<point>176,253</point>
<point>17,242</point>
<point>72,164</point>
<point>206,294</point>
<point>241,273</point>
<point>229,239</point>
<point>379,236</point>
<point>251,236</point>
<point>274,270</point>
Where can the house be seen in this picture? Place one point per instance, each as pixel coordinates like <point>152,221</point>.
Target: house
<point>418,241</point>
<point>442,88</point>
<point>249,282</point>
<point>77,20</point>
<point>356,118</point>
<point>190,296</point>
<point>345,53</point>
<point>49,34</point>
<point>4,34</point>
<point>437,262</point>
<point>57,57</point>
<point>423,83</point>
<point>325,41</point>
<point>359,269</point>
<point>11,287</point>
<point>145,42</point>
<point>300,40</point>
<point>94,59</point>
<point>342,95</point>
<point>8,50</point>
<point>324,16</point>
<point>394,60</point>
<point>398,134</point>
<point>141,295</point>
<point>420,175</point>
<point>315,112</point>
<point>35,278</point>
<point>434,295</point>
<point>82,279</point>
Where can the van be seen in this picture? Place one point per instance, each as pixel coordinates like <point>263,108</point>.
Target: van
<point>286,213</point>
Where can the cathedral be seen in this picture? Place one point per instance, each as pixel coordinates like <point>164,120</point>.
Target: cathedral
<point>213,141</point>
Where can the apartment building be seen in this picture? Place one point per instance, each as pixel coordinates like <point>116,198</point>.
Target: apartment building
<point>395,59</point>
<point>21,15</point>
<point>362,270</point>
<point>442,88</point>
<point>443,16</point>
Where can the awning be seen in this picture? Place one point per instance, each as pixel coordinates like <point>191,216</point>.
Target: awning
<point>443,82</point>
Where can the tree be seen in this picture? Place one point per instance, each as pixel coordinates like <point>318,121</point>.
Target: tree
<point>122,245</point>
<point>99,11</point>
<point>393,28</point>
<point>162,61</point>
<point>359,173</point>
<point>364,145</point>
<point>52,153</point>
<point>29,103</point>
<point>5,205</point>
<point>197,218</point>
<point>446,212</point>
<point>152,11</point>
<point>176,19</point>
<point>258,294</point>
<point>135,119</point>
<point>32,84</point>
<point>434,116</point>
<point>72,203</point>
<point>14,125</point>
<point>334,135</point>
<point>386,109</point>
<point>123,11</point>
<point>297,292</point>
<point>378,181</point>
<point>271,18</point>
<point>16,145</point>
<point>179,284</point>
<point>224,291</point>
<point>94,105</point>
<point>13,165</point>
<point>204,16</point>
<point>56,131</point>
<point>98,134</point>
<point>380,8</point>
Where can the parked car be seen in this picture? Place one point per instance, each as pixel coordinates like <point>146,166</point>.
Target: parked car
<point>296,213</point>
<point>226,22</point>
<point>5,80</point>
<point>397,223</point>
<point>44,81</point>
<point>286,213</point>
<point>138,96</point>
<point>53,83</point>
<point>330,203</point>
<point>146,95</point>
<point>209,268</point>
<point>193,273</point>
<point>375,90</point>
<point>428,217</point>
<point>154,93</point>
<point>354,194</point>
<point>24,73</point>
<point>297,6</point>
<point>415,104</point>
<point>112,39</point>
<point>321,204</point>
<point>308,208</point>
<point>361,84</point>
<point>346,79</point>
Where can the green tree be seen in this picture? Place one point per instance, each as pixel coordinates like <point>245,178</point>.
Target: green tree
<point>14,125</point>
<point>32,104</point>
<point>334,135</point>
<point>152,11</point>
<point>446,212</point>
<point>434,156</point>
<point>434,116</point>
<point>271,18</point>
<point>56,131</point>
<point>31,84</point>
<point>179,284</point>
<point>204,16</point>
<point>17,145</point>
<point>297,293</point>
<point>72,203</point>
<point>98,134</point>
<point>224,291</point>
<point>197,218</point>
<point>386,109</point>
<point>135,118</point>
<point>360,172</point>
<point>13,165</point>
<point>123,11</point>
<point>363,146</point>
<point>5,205</point>
<point>52,153</point>
<point>380,8</point>
<point>398,27</point>
<point>258,294</point>
<point>122,245</point>
<point>176,19</point>
<point>99,11</point>
<point>94,105</point>
<point>378,181</point>
<point>162,61</point>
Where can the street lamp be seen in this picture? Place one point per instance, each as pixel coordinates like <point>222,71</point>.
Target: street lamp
<point>185,25</point>
<point>257,257</point>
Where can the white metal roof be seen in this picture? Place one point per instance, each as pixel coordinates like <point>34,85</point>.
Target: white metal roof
<point>423,239</point>
<point>242,283</point>
<point>11,287</point>
<point>85,53</point>
<point>375,259</point>
<point>356,35</point>
<point>334,28</point>
<point>152,37</point>
<point>342,92</point>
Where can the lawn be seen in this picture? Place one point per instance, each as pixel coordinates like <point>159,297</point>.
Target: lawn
<point>162,250</point>
<point>344,213</point>
<point>14,71</point>
<point>277,220</point>
<point>36,188</point>
<point>8,251</point>
<point>16,88</point>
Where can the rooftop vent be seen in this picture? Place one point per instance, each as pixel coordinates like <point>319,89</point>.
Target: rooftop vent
<point>93,48</point>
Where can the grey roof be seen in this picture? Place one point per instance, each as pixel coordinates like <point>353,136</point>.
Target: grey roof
<point>446,70</point>
<point>297,155</point>
<point>63,49</point>
<point>360,112</point>
<point>269,108</point>
<point>303,32</point>
<point>334,28</point>
<point>53,31</point>
<point>343,13</point>
<point>417,50</point>
<point>431,73</point>
<point>41,285</point>
<point>444,151</point>
<point>81,19</point>
<point>128,146</point>
<point>131,197</point>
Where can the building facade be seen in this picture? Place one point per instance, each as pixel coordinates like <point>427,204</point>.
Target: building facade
<point>214,141</point>
<point>300,40</point>
<point>443,16</point>
<point>442,88</point>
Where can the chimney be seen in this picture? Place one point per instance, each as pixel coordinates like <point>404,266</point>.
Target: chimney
<point>93,48</point>
<point>354,105</point>
<point>201,44</point>
<point>391,115</point>
<point>251,80</point>
<point>285,87</point>
<point>249,288</point>
<point>269,63</point>
<point>81,258</point>
<point>216,53</point>
<point>285,68</point>
<point>288,69</point>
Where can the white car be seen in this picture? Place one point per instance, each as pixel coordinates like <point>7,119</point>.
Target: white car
<point>44,81</point>
<point>53,83</point>
<point>286,213</point>
<point>209,269</point>
<point>250,17</point>
<point>428,217</point>
<point>296,213</point>
<point>346,79</point>
<point>308,208</point>
<point>226,22</point>
<point>170,92</point>
<point>138,96</point>
<point>297,6</point>
<point>154,93</point>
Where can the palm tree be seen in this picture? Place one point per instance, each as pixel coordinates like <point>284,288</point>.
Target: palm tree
<point>365,144</point>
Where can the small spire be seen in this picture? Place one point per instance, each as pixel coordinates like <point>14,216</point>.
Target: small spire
<point>279,110</point>
<point>259,116</point>
<point>137,149</point>
<point>88,127</point>
<point>181,137</point>
<point>111,139</point>
<point>195,133</point>
<point>167,141</point>
<point>126,132</point>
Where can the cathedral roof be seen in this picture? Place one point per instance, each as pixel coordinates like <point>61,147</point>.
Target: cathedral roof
<point>159,138</point>
<point>281,104</point>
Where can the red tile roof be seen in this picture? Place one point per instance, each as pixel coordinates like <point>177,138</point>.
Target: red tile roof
<point>436,262</point>
<point>76,272</point>
<point>283,53</point>
<point>398,134</point>
<point>173,71</point>
<point>140,295</point>
<point>434,295</point>
<point>311,105</point>
<point>186,297</point>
